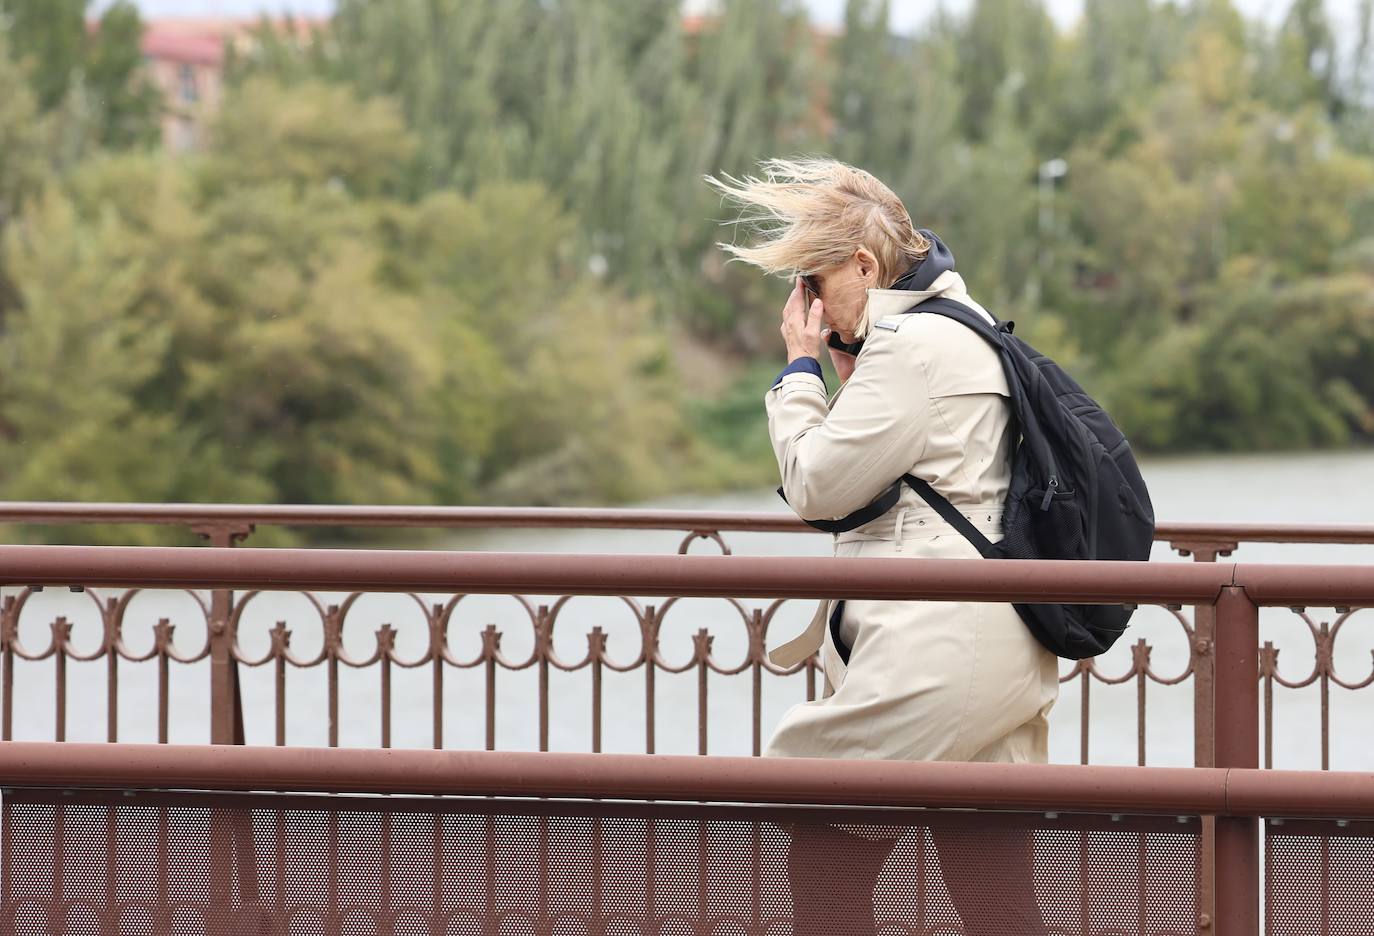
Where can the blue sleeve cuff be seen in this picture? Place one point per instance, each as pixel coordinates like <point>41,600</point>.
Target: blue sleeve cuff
<point>802,365</point>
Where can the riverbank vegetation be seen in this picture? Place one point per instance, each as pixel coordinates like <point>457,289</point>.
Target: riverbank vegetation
<point>455,252</point>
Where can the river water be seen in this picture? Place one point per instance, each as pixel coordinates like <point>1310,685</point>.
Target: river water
<point>1309,488</point>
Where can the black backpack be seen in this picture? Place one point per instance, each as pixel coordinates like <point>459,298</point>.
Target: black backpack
<point>1076,491</point>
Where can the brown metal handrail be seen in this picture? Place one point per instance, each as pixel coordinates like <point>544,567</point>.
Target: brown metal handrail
<point>1231,799</point>
<point>1228,664</point>
<point>1266,584</point>
<point>495,573</point>
<point>245,517</point>
<point>666,777</point>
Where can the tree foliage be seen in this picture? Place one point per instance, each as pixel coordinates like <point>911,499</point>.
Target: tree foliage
<point>96,72</point>
<point>450,251</point>
<point>264,324</point>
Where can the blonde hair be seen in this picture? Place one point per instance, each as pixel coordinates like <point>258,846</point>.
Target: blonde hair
<point>813,213</point>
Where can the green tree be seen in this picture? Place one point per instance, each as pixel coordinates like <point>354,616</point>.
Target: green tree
<point>102,67</point>
<point>560,387</point>
<point>1122,52</point>
<point>73,361</point>
<point>23,156</point>
<point>1303,63</point>
<point>51,34</point>
<point>456,251</point>
<point>244,345</point>
<point>275,327</point>
<point>128,103</point>
<point>1006,47</point>
<point>605,102</point>
<point>318,134</point>
<point>870,93</point>
<point>1269,366</point>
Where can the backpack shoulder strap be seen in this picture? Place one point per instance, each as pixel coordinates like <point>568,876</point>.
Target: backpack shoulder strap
<point>990,331</point>
<point>950,514</point>
<point>885,502</point>
<point>1030,394</point>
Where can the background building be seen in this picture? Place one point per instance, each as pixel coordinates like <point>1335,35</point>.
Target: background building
<point>186,59</point>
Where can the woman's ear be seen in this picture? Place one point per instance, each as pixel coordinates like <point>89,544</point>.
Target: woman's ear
<point>866,265</point>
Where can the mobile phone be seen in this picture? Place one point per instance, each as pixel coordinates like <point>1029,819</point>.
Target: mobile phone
<point>850,347</point>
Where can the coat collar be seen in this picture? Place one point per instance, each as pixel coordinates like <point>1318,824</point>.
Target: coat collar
<point>932,275</point>
<point>885,302</point>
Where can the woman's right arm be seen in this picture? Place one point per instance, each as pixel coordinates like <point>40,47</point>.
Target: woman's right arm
<point>834,461</point>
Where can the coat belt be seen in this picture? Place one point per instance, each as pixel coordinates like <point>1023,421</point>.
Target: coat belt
<point>799,648</point>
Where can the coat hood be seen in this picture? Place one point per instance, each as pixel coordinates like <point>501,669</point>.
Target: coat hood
<point>938,260</point>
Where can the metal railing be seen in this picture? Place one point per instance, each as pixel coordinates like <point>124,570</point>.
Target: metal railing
<point>1229,667</point>
<point>154,839</point>
<point>227,524</point>
<point>446,644</point>
<point>1233,592</point>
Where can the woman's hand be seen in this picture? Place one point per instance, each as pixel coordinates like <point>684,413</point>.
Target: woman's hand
<point>801,327</point>
<point>844,363</point>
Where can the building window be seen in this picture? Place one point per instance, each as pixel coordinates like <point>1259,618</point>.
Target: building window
<point>186,80</point>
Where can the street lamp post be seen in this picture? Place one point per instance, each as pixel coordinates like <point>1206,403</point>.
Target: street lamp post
<point>1049,170</point>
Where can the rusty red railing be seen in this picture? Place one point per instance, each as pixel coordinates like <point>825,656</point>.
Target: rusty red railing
<point>1070,788</point>
<point>1176,637</point>
<point>240,521</point>
<point>1230,665</point>
<point>141,838</point>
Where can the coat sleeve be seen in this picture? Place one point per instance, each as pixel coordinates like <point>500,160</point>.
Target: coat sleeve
<point>834,461</point>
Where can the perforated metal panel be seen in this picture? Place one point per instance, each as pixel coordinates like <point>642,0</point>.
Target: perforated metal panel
<point>1319,878</point>
<point>88,863</point>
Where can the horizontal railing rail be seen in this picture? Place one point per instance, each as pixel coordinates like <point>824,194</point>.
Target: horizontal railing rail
<point>234,837</point>
<point>237,521</point>
<point>686,778</point>
<point>495,573</point>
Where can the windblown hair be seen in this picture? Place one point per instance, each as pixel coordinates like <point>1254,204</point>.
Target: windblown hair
<point>813,213</point>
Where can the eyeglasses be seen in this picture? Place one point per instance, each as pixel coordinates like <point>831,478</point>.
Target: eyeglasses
<point>809,285</point>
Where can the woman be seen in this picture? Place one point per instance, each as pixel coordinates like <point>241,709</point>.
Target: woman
<point>905,680</point>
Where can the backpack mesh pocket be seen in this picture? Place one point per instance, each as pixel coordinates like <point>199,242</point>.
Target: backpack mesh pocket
<point>1054,533</point>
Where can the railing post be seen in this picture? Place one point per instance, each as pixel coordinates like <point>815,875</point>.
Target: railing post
<point>1204,716</point>
<point>226,708</point>
<point>231,835</point>
<point>1237,852</point>
<point>1204,631</point>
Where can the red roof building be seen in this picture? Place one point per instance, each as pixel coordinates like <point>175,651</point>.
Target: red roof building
<point>185,59</point>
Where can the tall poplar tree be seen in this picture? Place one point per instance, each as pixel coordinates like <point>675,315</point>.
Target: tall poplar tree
<point>103,64</point>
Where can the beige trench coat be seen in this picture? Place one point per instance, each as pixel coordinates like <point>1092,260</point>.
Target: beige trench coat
<point>925,680</point>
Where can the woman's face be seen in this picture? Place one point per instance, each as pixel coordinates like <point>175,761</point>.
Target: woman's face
<point>843,291</point>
